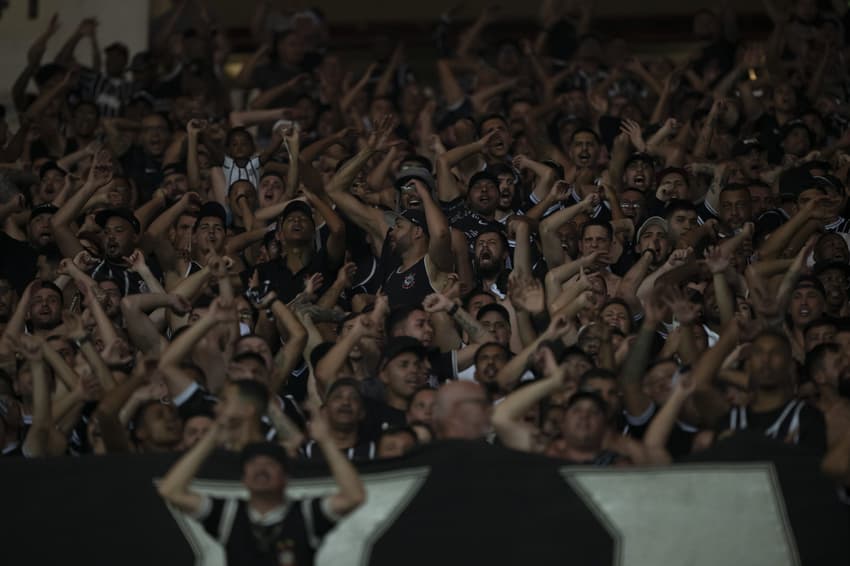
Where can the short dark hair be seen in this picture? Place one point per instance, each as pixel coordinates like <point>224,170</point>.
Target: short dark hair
<point>236,131</point>
<point>822,321</point>
<point>735,187</point>
<point>494,307</point>
<point>675,205</point>
<point>815,358</point>
<point>596,373</point>
<point>584,130</point>
<point>491,116</point>
<point>502,347</point>
<point>253,392</point>
<point>597,222</point>
<point>398,315</point>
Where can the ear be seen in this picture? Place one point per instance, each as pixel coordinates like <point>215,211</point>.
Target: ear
<point>382,375</point>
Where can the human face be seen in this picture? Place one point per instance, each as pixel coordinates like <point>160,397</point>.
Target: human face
<point>395,445</point>
<point>175,185</point>
<point>240,146</point>
<point>271,190</point>
<point>507,188</point>
<point>155,135</point>
<point>263,475</point>
<point>785,98</point>
<point>51,184</point>
<point>112,304</point>
<point>182,233</point>
<point>681,222</point>
<point>584,150</point>
<point>478,301</point>
<point>836,285</point>
<point>45,309</point>
<point>422,406</point>
<point>769,362</point>
<point>832,247</point>
<point>761,199</point>
<point>418,325</point>
<point>401,235</point>
<point>344,408</point>
<point>796,142</point>
<point>595,239</point>
<point>161,426</point>
<point>194,429</point>
<point>249,369</point>
<point>40,232</point>
<point>290,49</point>
<point>568,236</point>
<point>403,375</point>
<point>676,186</point>
<point>736,208</point>
<point>617,316</point>
<point>119,238</point>
<point>752,163</point>
<point>818,335</point>
<point>610,393</point>
<point>298,227</point>
<point>807,304</point>
<point>498,326</point>
<point>500,144</point>
<point>657,384</point>
<point>210,235</point>
<point>633,204</point>
<point>85,120</point>
<point>255,345</point>
<point>489,361</point>
<point>584,425</point>
<point>638,174</point>
<point>484,197</point>
<point>654,238</point>
<point>489,253</point>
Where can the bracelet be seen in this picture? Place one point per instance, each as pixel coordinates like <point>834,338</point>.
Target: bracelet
<point>452,311</point>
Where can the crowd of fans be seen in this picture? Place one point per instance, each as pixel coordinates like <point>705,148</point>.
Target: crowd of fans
<point>554,245</point>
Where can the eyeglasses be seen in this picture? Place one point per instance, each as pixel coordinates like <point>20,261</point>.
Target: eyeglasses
<point>630,204</point>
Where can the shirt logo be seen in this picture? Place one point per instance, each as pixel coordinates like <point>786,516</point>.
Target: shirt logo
<point>409,281</point>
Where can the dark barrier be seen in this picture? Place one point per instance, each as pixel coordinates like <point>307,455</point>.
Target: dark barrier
<point>453,503</point>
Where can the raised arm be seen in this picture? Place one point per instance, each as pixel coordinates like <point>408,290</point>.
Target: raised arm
<point>174,487</point>
<point>350,492</point>
<point>296,338</point>
<point>447,186</point>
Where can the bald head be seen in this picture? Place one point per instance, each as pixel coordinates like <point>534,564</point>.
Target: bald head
<point>461,411</point>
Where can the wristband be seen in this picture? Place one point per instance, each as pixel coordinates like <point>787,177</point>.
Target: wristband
<point>452,311</point>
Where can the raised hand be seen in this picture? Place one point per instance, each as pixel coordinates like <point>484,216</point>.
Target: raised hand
<point>654,308</point>
<point>632,129</point>
<point>222,310</point>
<point>437,302</point>
<point>717,259</point>
<point>679,257</point>
<point>526,294</point>
<point>179,304</point>
<point>136,261</point>
<point>684,311</point>
<point>31,348</point>
<point>346,274</point>
<point>117,353</point>
<point>379,139</point>
<point>313,283</point>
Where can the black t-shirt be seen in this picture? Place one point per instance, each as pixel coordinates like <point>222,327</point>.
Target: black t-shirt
<point>461,217</point>
<point>287,284</point>
<point>144,169</point>
<point>681,437</point>
<point>796,422</point>
<point>379,417</point>
<point>131,282</point>
<point>443,367</point>
<point>18,262</point>
<point>290,536</point>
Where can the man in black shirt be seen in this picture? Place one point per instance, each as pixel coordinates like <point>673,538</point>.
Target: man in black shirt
<point>267,528</point>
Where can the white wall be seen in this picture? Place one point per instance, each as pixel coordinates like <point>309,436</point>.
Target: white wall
<point>120,20</point>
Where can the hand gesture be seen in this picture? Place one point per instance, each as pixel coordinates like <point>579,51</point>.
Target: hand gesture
<point>632,129</point>
<point>346,274</point>
<point>526,294</point>
<point>679,257</point>
<point>195,126</point>
<point>436,302</point>
<point>178,304</point>
<point>559,192</point>
<point>313,283</point>
<point>716,259</point>
<point>136,261</point>
<point>684,311</point>
<point>30,347</point>
<point>219,266</point>
<point>100,173</point>
<point>317,426</point>
<point>117,353</point>
<point>654,308</point>
<point>222,310</point>
<point>379,139</point>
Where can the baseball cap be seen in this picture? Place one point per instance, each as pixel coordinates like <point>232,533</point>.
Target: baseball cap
<point>297,206</point>
<point>399,345</point>
<point>412,215</point>
<point>483,176</point>
<point>125,213</point>
<point>211,209</point>
<point>828,265</point>
<point>270,449</point>
<point>793,125</point>
<point>640,156</point>
<point>46,208</point>
<point>745,146</point>
<point>176,168</point>
<point>652,221</point>
<point>419,173</point>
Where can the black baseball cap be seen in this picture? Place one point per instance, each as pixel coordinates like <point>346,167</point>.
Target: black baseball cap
<point>211,209</point>
<point>829,265</point>
<point>810,282</point>
<point>176,168</point>
<point>297,206</point>
<point>640,156</point>
<point>46,208</point>
<point>270,449</point>
<point>413,215</point>
<point>483,176</point>
<point>401,345</point>
<point>125,213</point>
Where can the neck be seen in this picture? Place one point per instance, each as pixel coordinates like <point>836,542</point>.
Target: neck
<point>410,256</point>
<point>770,399</point>
<point>579,454</point>
<point>344,438</point>
<point>298,255</point>
<point>263,502</point>
<point>395,401</point>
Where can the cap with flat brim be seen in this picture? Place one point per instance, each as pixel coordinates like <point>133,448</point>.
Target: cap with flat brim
<point>42,209</point>
<point>211,210</point>
<point>402,345</point>
<point>743,147</point>
<point>412,215</point>
<point>297,206</point>
<point>830,266</point>
<point>483,176</point>
<point>652,221</point>
<point>810,282</point>
<point>103,216</point>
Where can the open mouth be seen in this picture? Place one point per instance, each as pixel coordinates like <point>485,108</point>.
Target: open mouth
<point>640,180</point>
<point>804,312</point>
